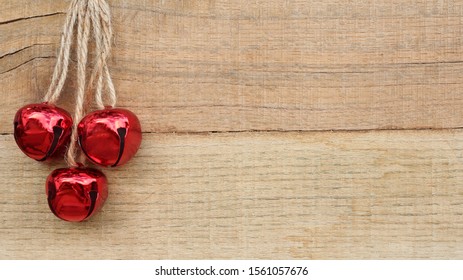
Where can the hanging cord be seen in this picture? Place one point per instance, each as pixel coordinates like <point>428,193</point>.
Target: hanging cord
<point>83,32</point>
<point>103,33</point>
<point>62,63</point>
<point>85,14</point>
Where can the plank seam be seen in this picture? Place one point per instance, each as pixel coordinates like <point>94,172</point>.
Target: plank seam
<point>285,131</point>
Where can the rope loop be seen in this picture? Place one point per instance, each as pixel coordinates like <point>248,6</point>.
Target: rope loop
<point>88,17</point>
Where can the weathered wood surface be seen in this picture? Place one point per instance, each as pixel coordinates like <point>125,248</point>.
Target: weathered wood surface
<point>267,75</point>
<point>259,65</point>
<point>322,195</point>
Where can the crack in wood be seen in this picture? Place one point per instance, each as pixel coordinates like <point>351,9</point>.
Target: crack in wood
<point>31,17</point>
<point>26,62</point>
<point>22,49</point>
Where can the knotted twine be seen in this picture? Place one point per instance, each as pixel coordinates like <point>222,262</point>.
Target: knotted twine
<point>85,16</point>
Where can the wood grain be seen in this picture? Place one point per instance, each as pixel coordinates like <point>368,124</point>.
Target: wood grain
<point>238,101</point>
<point>258,65</point>
<point>254,195</point>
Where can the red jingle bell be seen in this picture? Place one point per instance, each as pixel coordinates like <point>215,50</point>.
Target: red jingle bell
<point>41,129</point>
<point>75,194</point>
<point>110,137</point>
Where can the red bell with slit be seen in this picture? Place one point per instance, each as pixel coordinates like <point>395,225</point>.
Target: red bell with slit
<point>40,130</point>
<point>110,137</point>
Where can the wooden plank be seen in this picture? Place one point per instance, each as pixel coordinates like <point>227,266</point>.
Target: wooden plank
<point>388,194</point>
<point>257,65</point>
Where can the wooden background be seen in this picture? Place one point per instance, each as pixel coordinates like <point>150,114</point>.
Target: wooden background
<point>320,129</point>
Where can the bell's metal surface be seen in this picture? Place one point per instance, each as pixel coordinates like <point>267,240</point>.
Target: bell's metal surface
<point>40,130</point>
<point>75,194</point>
<point>110,137</point>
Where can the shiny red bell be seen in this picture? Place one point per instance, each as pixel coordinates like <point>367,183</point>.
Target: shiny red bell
<point>110,137</point>
<point>75,194</point>
<point>41,129</point>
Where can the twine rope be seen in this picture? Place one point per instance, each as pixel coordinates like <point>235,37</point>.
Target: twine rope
<point>88,15</point>
<point>62,63</point>
<point>101,20</point>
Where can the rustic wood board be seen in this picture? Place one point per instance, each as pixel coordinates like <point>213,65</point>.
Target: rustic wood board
<point>238,100</point>
<point>254,195</point>
<point>259,65</point>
